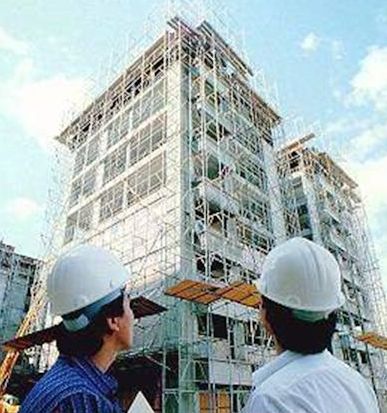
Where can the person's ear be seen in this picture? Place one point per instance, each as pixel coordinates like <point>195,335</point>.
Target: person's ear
<point>113,324</point>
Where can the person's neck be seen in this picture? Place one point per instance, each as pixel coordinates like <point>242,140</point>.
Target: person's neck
<point>278,347</point>
<point>104,358</point>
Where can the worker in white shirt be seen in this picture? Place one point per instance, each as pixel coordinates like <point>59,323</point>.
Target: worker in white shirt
<point>301,291</point>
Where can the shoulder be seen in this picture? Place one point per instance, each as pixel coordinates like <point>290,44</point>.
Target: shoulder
<point>60,382</point>
<point>303,382</point>
<point>309,368</point>
<point>63,374</point>
<point>81,401</point>
<point>347,374</point>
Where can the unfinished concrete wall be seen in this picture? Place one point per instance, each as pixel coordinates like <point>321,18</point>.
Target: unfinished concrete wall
<point>17,273</point>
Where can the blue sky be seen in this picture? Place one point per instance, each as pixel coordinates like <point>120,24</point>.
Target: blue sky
<point>328,59</point>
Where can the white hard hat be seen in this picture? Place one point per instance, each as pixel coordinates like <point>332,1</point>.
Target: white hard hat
<point>303,276</point>
<point>82,281</point>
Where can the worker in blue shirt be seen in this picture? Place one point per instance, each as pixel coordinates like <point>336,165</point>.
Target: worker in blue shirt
<point>87,289</point>
<point>301,293</point>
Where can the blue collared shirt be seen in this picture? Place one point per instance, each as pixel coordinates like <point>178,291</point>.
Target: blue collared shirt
<point>73,384</point>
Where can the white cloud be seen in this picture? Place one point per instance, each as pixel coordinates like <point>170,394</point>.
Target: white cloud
<point>346,125</point>
<point>369,85</point>
<point>371,177</point>
<point>364,142</point>
<point>21,208</point>
<point>310,43</point>
<point>369,141</point>
<point>11,44</point>
<point>381,21</point>
<point>40,106</point>
<point>23,71</point>
<point>337,48</point>
<point>367,137</point>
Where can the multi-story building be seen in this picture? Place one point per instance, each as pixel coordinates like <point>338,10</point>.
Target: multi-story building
<point>175,170</point>
<point>17,274</point>
<point>331,213</point>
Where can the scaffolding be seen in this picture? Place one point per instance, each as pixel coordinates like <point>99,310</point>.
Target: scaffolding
<point>331,213</point>
<point>17,275</point>
<point>178,167</point>
<point>174,168</point>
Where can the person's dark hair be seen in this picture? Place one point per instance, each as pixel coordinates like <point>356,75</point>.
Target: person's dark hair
<point>297,335</point>
<point>88,341</point>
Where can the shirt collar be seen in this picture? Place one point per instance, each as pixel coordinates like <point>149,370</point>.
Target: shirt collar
<point>104,382</point>
<point>264,372</point>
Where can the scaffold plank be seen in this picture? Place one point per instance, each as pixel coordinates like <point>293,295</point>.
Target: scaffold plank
<point>205,293</point>
<point>242,293</point>
<point>374,340</point>
<point>196,291</point>
<point>141,306</point>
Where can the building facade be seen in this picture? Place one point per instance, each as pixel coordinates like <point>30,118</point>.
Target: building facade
<point>331,213</point>
<point>17,273</point>
<point>176,169</point>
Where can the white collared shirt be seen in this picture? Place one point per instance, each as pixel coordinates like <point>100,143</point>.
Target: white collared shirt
<point>318,383</point>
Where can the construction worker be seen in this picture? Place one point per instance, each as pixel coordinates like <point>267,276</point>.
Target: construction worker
<point>300,288</point>
<point>87,289</point>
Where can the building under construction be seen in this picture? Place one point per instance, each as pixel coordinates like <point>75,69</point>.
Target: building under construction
<point>331,213</point>
<point>17,275</point>
<point>175,170</point>
<point>179,167</point>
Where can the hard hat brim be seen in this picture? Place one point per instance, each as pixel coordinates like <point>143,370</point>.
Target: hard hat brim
<point>141,307</point>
